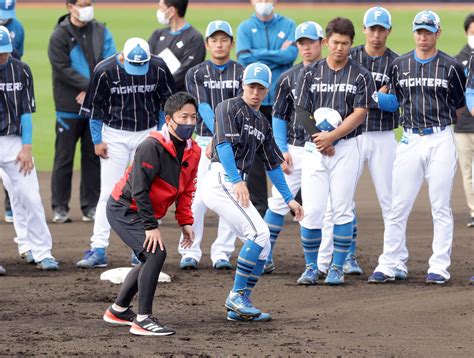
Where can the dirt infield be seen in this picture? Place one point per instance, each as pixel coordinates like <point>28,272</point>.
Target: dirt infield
<point>60,313</point>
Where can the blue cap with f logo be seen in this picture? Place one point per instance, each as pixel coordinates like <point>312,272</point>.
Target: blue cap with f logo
<point>7,9</point>
<point>5,40</point>
<point>427,20</point>
<point>258,73</point>
<point>219,25</point>
<point>309,30</point>
<point>378,16</point>
<point>136,53</point>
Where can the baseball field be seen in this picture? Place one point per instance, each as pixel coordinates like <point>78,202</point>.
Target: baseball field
<point>60,313</point>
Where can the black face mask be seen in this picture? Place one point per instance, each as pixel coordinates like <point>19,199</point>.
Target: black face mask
<point>184,131</point>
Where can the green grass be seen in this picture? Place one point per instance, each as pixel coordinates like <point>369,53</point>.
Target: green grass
<point>125,23</point>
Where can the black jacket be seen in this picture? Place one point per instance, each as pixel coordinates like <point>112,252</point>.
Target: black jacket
<point>465,123</point>
<point>73,58</point>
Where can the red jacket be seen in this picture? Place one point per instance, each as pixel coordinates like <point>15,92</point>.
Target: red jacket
<point>156,179</point>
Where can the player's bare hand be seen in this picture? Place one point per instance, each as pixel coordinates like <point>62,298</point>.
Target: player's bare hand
<point>101,150</point>
<point>287,165</point>
<point>297,209</point>
<point>384,89</point>
<point>329,152</point>
<point>209,150</point>
<point>242,193</point>
<point>80,97</point>
<point>153,240</point>
<point>323,140</point>
<point>188,236</point>
<point>286,44</point>
<point>25,158</point>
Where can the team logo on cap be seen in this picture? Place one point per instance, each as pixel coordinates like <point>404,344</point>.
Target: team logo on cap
<point>257,70</point>
<point>8,3</point>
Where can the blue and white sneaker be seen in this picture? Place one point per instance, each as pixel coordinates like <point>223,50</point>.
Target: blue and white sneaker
<point>9,216</point>
<point>134,261</point>
<point>309,276</point>
<point>28,256</point>
<point>264,317</point>
<point>92,259</point>
<point>48,264</point>
<point>269,267</point>
<point>335,276</point>
<point>188,263</point>
<point>400,275</point>
<point>240,303</point>
<point>380,277</point>
<point>222,264</point>
<point>434,278</point>
<point>351,266</point>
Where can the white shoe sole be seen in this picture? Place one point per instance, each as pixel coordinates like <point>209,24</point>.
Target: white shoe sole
<point>148,333</point>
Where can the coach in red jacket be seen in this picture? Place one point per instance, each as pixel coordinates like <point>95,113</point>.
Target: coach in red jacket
<point>163,172</point>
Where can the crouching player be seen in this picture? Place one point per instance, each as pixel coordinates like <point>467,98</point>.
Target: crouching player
<point>241,132</point>
<point>163,172</point>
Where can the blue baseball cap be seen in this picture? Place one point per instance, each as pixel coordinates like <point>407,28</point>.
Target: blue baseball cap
<point>5,40</point>
<point>7,9</point>
<point>136,53</point>
<point>427,20</point>
<point>378,16</point>
<point>258,73</point>
<point>309,30</point>
<point>219,25</point>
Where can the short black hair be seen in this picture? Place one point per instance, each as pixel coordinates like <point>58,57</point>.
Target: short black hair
<point>341,26</point>
<point>180,5</point>
<point>75,1</point>
<point>177,101</point>
<point>469,20</point>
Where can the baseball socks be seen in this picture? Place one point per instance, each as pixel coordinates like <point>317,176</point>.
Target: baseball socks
<point>275,224</point>
<point>311,241</point>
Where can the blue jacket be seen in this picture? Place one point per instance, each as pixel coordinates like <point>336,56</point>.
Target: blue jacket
<point>261,41</point>
<point>17,34</point>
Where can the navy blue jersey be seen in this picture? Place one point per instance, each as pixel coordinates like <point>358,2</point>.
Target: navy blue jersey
<point>17,96</point>
<point>430,93</point>
<point>376,119</point>
<point>284,106</point>
<point>211,84</point>
<point>343,90</point>
<point>249,133</point>
<point>126,102</point>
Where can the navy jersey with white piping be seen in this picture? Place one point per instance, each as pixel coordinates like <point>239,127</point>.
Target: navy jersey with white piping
<point>284,108</point>
<point>343,90</point>
<point>212,84</point>
<point>17,96</point>
<point>249,134</point>
<point>126,102</point>
<point>429,93</point>
<point>377,120</point>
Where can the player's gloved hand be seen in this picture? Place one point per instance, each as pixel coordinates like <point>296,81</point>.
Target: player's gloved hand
<point>188,236</point>
<point>25,158</point>
<point>287,165</point>
<point>297,209</point>
<point>101,150</point>
<point>153,239</point>
<point>242,193</point>
<point>323,140</point>
<point>209,150</point>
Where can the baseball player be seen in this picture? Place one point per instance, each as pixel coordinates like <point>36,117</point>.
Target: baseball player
<point>341,88</point>
<point>18,104</point>
<point>289,134</point>
<point>163,172</point>
<point>241,132</point>
<point>124,100</point>
<point>470,101</point>
<point>429,87</point>
<point>210,83</point>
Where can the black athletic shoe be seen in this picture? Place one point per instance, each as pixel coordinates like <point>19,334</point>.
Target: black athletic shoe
<point>120,318</point>
<point>150,327</point>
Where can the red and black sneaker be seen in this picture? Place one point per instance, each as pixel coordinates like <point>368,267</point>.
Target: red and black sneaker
<point>119,318</point>
<point>150,326</point>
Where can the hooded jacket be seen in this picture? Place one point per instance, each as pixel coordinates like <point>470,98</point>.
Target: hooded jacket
<point>156,179</point>
<point>71,68</point>
<point>465,122</point>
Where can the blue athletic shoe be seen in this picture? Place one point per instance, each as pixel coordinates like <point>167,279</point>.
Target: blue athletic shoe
<point>28,256</point>
<point>48,264</point>
<point>264,317</point>
<point>433,278</point>
<point>351,266</point>
<point>309,276</point>
<point>134,261</point>
<point>92,259</point>
<point>335,276</point>
<point>222,264</point>
<point>188,263</point>
<point>8,216</point>
<point>380,277</point>
<point>400,275</point>
<point>269,267</point>
<point>240,303</point>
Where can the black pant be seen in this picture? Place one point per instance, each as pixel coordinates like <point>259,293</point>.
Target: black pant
<point>144,277</point>
<point>68,132</point>
<point>257,179</point>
